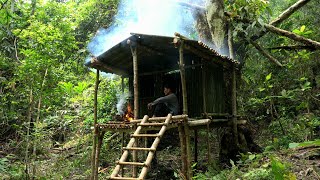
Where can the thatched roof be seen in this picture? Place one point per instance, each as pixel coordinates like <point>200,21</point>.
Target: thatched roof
<point>155,54</point>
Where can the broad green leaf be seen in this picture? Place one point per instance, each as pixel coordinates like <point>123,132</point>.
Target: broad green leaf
<point>268,77</point>
<point>252,156</point>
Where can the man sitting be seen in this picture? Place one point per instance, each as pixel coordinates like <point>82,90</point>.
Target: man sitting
<point>166,104</point>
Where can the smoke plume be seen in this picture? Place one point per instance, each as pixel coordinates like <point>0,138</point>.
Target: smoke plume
<point>156,17</point>
<point>122,99</point>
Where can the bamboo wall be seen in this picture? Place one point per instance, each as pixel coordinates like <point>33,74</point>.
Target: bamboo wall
<point>151,87</point>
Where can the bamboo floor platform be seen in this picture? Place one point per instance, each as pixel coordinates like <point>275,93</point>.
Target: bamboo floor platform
<point>129,126</point>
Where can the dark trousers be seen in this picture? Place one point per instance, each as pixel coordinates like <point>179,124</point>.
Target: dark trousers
<point>161,110</point>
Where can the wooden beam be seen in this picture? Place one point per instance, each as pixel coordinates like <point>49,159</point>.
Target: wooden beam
<point>95,63</point>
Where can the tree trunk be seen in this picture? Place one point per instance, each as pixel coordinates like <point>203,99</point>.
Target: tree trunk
<point>217,24</point>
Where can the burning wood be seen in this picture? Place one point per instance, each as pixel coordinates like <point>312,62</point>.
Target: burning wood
<point>127,116</point>
<point>129,113</point>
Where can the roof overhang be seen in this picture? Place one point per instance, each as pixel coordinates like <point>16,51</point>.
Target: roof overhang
<point>155,54</point>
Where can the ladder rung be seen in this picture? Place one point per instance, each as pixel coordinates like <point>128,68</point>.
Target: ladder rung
<point>132,163</point>
<point>145,135</point>
<point>124,178</point>
<point>152,124</point>
<point>139,149</point>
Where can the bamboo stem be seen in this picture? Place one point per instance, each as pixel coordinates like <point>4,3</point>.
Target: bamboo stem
<point>37,122</point>
<point>183,149</point>
<point>28,133</point>
<point>100,141</point>
<point>135,81</point>
<point>196,146</point>
<point>95,136</point>
<point>188,149</point>
<point>208,143</point>
<point>204,93</point>
<point>183,79</point>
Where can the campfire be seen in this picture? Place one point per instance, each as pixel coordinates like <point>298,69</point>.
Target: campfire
<point>127,114</point>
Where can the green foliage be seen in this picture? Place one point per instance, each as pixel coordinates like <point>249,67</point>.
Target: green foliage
<point>305,144</point>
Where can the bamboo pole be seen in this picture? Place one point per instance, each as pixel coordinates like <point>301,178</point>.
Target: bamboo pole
<point>234,105</point>
<point>160,118</point>
<point>208,143</point>
<point>135,82</point>
<point>188,148</point>
<point>183,79</point>
<point>37,123</point>
<point>204,99</point>
<point>136,97</point>
<point>94,146</point>
<point>123,134</point>
<point>196,146</point>
<point>183,149</point>
<point>135,158</point>
<point>100,141</point>
<point>29,118</point>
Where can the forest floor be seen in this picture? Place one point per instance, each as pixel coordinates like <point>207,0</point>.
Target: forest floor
<point>72,161</point>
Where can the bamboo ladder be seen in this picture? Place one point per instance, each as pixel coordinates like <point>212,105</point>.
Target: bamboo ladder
<point>145,165</point>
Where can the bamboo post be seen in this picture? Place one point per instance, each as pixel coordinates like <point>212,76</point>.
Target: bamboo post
<point>95,136</point>
<point>100,140</point>
<point>204,92</point>
<point>136,98</point>
<point>183,149</point>
<point>196,147</point>
<point>188,148</point>
<point>123,134</point>
<point>234,105</point>
<point>183,79</point>
<point>208,143</point>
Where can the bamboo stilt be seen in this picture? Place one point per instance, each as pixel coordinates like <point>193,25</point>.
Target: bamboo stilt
<point>122,145</point>
<point>208,143</point>
<point>122,138</point>
<point>196,146</point>
<point>135,158</point>
<point>188,148</point>
<point>100,141</point>
<point>95,137</point>
<point>183,149</point>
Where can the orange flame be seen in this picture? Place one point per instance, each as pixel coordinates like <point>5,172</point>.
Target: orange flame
<point>129,114</point>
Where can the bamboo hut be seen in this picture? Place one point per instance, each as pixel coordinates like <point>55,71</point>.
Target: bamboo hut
<point>205,87</point>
